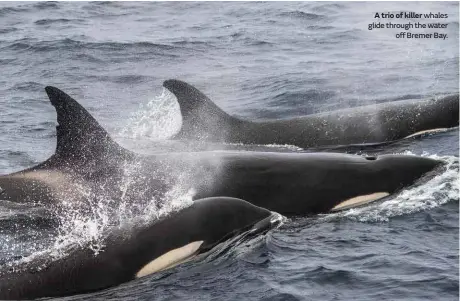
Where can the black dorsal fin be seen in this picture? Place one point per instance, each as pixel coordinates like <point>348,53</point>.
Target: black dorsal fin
<point>201,118</point>
<point>79,136</point>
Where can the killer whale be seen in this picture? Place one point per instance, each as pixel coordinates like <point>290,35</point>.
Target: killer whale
<point>288,183</point>
<point>204,120</point>
<point>293,183</point>
<point>297,184</point>
<point>170,241</point>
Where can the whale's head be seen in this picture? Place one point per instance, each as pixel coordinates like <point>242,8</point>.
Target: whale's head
<point>387,174</point>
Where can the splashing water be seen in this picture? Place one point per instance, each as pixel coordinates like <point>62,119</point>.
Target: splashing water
<point>87,224</point>
<point>159,119</point>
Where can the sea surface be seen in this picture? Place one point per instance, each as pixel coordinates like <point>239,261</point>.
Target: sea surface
<point>257,61</point>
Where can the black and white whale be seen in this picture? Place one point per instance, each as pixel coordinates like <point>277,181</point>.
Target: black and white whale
<point>204,120</point>
<point>288,183</point>
<point>164,244</point>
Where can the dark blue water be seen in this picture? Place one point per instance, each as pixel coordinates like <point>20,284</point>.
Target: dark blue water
<point>258,61</point>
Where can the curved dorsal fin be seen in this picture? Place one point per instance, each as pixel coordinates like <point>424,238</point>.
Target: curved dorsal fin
<point>79,136</point>
<point>201,118</point>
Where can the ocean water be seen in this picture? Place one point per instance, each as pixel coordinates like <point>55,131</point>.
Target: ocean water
<point>256,61</point>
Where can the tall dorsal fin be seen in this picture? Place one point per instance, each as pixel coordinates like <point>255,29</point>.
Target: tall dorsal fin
<point>201,118</point>
<point>79,135</point>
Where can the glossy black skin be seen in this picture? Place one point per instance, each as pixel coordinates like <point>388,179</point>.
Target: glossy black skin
<point>210,220</point>
<point>288,183</point>
<point>203,120</point>
<point>292,184</point>
<point>298,184</point>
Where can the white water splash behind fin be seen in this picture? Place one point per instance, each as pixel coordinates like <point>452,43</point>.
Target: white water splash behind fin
<point>159,119</point>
